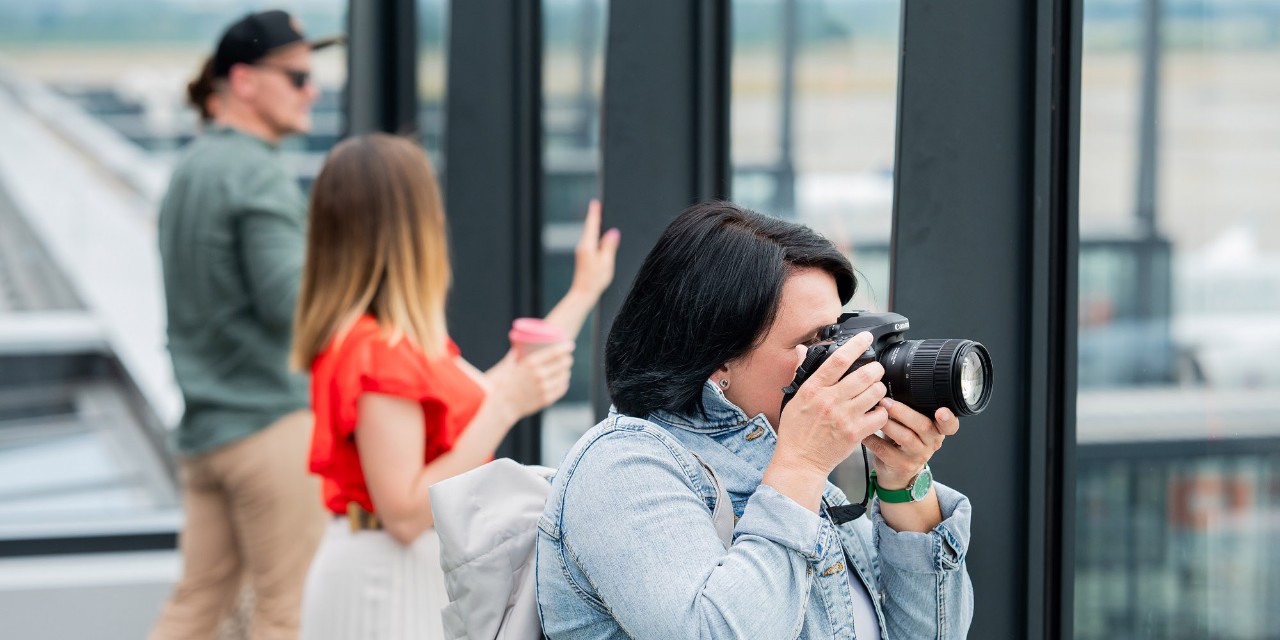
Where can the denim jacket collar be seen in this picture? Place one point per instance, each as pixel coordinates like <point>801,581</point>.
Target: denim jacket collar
<point>719,414</point>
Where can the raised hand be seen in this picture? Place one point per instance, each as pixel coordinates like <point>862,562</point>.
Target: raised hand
<point>594,256</point>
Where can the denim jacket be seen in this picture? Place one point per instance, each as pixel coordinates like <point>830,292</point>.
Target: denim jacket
<point>626,547</point>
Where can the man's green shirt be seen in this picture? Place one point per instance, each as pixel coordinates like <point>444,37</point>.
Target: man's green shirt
<point>232,240</point>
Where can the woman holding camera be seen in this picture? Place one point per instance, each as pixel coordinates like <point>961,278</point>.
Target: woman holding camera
<point>719,317</point>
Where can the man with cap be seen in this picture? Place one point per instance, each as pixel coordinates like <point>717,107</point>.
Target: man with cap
<point>232,237</point>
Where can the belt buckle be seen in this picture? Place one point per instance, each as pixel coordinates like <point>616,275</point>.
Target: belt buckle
<point>359,519</point>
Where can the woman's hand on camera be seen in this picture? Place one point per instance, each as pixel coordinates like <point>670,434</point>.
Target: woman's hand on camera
<point>594,257</point>
<point>828,416</point>
<point>529,384</point>
<point>910,440</point>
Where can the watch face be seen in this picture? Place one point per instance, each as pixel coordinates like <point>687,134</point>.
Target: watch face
<point>920,488</point>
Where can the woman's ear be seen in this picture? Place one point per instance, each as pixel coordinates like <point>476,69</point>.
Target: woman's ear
<point>721,376</point>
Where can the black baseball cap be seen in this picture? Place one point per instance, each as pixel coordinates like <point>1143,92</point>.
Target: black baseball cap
<point>254,36</point>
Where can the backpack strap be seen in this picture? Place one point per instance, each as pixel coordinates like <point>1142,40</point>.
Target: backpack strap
<point>722,515</point>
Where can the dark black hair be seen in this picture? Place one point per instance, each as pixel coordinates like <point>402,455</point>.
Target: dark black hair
<point>707,293</point>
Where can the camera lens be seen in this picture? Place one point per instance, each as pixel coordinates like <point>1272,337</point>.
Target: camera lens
<point>927,374</point>
<point>972,379</point>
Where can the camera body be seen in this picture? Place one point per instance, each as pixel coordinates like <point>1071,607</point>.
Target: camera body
<point>923,374</point>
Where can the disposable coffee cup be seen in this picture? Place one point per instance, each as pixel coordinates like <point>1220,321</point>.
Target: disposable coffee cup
<point>530,334</point>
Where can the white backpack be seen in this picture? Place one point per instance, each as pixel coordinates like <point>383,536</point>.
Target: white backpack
<point>487,522</point>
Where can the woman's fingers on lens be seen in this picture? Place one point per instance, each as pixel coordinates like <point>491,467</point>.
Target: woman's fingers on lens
<point>888,453</point>
<point>907,438</point>
<point>924,428</point>
<point>893,456</point>
<point>947,421</point>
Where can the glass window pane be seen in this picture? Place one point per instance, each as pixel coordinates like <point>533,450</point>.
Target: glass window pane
<point>572,85</point>
<point>433,52</point>
<point>1178,494</point>
<point>92,117</point>
<point>814,105</point>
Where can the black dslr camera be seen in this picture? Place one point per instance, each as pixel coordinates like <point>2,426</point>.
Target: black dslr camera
<point>923,374</point>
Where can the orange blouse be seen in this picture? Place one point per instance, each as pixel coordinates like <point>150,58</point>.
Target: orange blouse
<point>363,361</point>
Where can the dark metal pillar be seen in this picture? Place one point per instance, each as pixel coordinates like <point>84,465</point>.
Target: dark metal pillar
<point>492,148</point>
<point>984,247</point>
<point>382,67</point>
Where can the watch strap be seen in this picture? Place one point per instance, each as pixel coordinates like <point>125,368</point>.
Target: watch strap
<point>895,496</point>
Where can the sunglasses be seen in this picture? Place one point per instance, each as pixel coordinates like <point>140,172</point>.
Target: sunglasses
<point>297,78</point>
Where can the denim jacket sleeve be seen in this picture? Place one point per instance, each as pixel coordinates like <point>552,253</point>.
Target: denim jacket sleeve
<point>927,589</point>
<point>636,524</point>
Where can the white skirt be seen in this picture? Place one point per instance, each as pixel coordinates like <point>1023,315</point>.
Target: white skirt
<point>365,585</point>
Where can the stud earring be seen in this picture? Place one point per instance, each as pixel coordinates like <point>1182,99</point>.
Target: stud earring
<point>724,383</point>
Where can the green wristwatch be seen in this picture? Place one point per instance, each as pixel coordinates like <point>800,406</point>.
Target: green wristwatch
<point>915,491</point>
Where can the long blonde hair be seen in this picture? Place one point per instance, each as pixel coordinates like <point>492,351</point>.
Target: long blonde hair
<point>376,244</point>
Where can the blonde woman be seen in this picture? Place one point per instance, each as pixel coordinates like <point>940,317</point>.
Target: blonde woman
<point>397,409</point>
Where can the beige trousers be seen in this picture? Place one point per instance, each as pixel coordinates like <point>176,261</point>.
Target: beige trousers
<point>253,514</point>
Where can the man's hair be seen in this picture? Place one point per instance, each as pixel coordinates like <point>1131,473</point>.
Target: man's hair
<point>707,293</point>
<point>201,89</point>
<point>377,244</point>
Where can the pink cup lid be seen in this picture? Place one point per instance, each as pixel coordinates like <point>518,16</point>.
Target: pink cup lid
<point>535,331</point>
